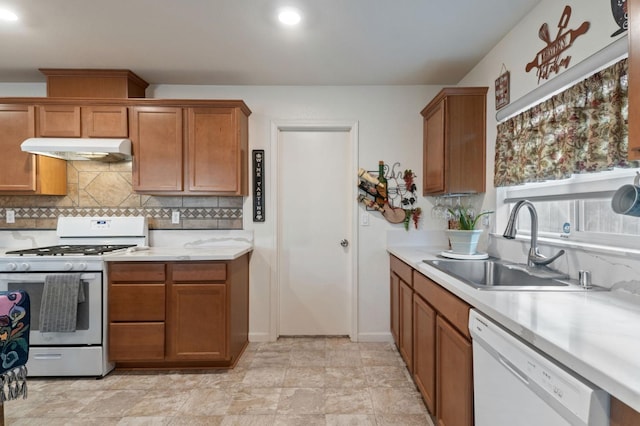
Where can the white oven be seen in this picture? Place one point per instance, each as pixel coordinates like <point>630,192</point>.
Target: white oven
<point>89,318</point>
<point>84,241</point>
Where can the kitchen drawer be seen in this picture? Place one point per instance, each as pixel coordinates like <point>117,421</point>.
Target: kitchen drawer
<point>136,341</point>
<point>136,272</point>
<point>401,269</point>
<point>454,309</point>
<point>198,272</point>
<point>136,302</point>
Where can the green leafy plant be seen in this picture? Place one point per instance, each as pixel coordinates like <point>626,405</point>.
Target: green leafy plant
<point>466,219</point>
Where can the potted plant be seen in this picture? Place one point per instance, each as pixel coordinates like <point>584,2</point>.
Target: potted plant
<point>463,235</point>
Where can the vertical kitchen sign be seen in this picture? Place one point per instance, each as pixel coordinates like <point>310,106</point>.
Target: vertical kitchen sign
<point>258,185</point>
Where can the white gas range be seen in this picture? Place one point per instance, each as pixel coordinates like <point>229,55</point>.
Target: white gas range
<point>83,244</point>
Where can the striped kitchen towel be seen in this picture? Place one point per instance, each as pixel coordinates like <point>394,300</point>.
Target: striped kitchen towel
<point>59,305</point>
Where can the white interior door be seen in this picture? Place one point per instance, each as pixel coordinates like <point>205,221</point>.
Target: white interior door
<point>314,218</point>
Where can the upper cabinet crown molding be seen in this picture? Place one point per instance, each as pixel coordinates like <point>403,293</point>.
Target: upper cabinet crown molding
<point>93,83</point>
<point>454,141</point>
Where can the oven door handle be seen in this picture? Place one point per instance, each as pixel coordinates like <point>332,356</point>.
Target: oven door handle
<point>31,279</point>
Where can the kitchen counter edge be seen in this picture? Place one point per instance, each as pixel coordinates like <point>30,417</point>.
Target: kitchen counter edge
<point>176,254</point>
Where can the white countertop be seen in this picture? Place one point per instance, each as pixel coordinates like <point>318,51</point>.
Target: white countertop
<point>174,254</point>
<point>594,333</point>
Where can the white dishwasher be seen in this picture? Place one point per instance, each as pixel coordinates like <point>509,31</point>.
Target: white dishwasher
<point>514,385</point>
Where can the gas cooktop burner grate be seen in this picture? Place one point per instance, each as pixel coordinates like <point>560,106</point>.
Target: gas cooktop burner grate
<point>61,250</point>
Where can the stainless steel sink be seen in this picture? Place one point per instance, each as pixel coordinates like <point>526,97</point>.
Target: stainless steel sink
<point>495,274</point>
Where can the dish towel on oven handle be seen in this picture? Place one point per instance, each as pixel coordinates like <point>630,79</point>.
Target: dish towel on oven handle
<point>15,317</point>
<point>59,305</point>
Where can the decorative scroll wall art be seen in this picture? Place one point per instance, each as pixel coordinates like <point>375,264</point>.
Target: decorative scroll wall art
<point>258,185</point>
<point>552,58</point>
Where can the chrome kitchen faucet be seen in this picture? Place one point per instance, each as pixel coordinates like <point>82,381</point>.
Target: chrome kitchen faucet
<point>535,258</point>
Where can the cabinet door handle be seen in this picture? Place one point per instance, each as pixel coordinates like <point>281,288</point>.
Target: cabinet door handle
<point>344,243</point>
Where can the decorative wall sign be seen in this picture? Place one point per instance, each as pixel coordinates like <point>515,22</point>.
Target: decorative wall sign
<point>550,59</point>
<point>258,185</point>
<point>502,88</point>
<point>620,15</point>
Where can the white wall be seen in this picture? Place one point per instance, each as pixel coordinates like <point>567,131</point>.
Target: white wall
<point>390,129</point>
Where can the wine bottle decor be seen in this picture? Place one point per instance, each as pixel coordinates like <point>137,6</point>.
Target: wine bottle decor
<point>392,191</point>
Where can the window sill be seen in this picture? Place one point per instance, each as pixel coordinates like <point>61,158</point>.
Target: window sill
<point>579,245</point>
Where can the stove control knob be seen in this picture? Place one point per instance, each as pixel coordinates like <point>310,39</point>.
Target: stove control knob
<point>12,266</point>
<point>68,266</point>
<point>82,266</point>
<point>25,266</point>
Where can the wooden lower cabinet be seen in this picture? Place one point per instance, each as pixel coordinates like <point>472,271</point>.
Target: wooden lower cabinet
<point>441,356</point>
<point>454,376</point>
<point>196,311</point>
<point>394,296</point>
<point>178,314</point>
<point>136,341</point>
<point>424,354</point>
<point>406,324</point>
<point>622,414</point>
<point>402,308</point>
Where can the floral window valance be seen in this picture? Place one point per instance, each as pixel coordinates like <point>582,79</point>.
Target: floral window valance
<point>582,129</point>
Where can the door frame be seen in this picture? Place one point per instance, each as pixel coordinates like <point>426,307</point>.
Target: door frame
<point>278,126</point>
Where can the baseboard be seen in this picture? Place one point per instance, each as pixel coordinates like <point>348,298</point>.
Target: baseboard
<point>375,337</point>
<point>259,337</point>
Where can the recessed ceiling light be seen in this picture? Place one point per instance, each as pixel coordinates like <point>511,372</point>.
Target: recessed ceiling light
<point>289,16</point>
<point>6,15</point>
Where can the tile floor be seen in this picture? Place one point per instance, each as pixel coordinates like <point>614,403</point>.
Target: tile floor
<point>294,381</point>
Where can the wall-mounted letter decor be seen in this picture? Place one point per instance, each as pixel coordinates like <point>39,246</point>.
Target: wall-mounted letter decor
<point>550,59</point>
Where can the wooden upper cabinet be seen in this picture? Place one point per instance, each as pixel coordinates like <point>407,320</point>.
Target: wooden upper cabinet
<point>105,121</point>
<point>59,121</point>
<point>633,10</point>
<point>73,121</point>
<point>21,172</point>
<point>156,136</point>
<point>217,147</point>
<point>454,147</point>
<point>204,155</point>
<point>433,147</point>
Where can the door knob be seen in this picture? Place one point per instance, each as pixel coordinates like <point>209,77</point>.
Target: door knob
<point>344,243</point>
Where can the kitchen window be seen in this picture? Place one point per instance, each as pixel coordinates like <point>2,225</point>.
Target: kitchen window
<point>568,155</point>
<point>577,210</point>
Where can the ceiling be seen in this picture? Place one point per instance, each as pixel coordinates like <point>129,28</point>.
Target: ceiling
<point>239,42</point>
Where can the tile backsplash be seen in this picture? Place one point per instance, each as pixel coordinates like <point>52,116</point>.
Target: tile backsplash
<point>104,189</point>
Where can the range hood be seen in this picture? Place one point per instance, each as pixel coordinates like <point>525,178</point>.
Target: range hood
<point>98,149</point>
